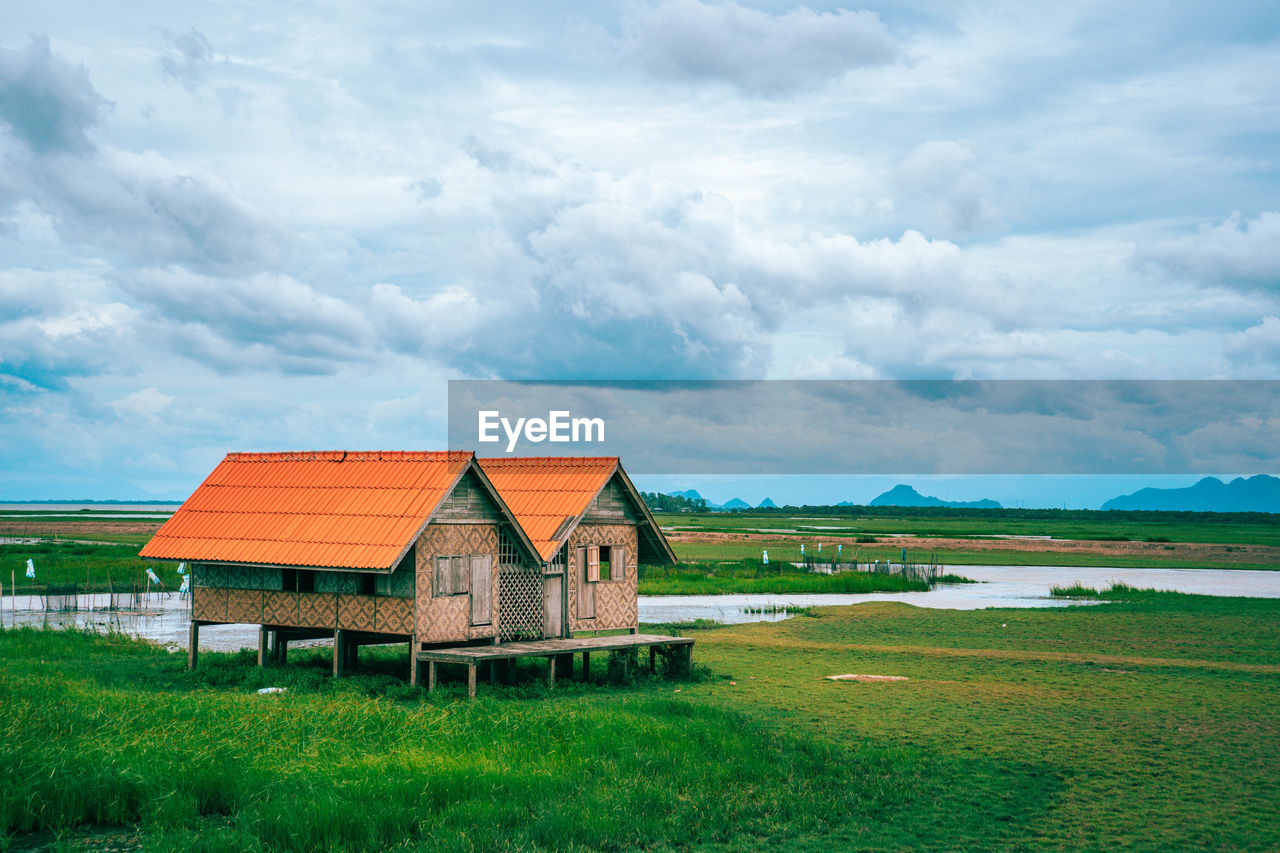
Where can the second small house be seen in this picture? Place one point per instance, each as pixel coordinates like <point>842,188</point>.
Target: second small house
<point>432,548</point>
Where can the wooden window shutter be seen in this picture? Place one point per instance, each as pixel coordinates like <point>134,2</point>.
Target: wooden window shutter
<point>481,589</point>
<point>618,562</point>
<point>461,575</point>
<point>444,576</point>
<point>593,563</point>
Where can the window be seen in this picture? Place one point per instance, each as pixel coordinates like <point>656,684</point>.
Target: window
<point>368,584</point>
<point>452,575</point>
<point>297,580</point>
<point>508,555</point>
<point>605,563</point>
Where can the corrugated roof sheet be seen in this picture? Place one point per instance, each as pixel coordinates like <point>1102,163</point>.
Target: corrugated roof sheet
<point>546,493</point>
<point>330,509</point>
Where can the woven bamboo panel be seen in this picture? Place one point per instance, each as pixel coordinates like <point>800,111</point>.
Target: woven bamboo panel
<point>394,616</point>
<point>280,608</point>
<point>355,612</point>
<point>244,605</point>
<point>317,610</point>
<point>441,620</point>
<point>616,602</point>
<point>209,604</point>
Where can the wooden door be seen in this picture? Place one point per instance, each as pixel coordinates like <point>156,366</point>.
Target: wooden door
<point>481,589</point>
<point>586,589</point>
<point>553,612</point>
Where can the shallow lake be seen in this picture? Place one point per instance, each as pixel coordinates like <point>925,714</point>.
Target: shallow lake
<point>163,617</point>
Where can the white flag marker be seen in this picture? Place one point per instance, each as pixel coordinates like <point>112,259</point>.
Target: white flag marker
<point>31,569</point>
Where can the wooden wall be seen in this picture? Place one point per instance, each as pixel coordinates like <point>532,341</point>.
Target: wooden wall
<point>616,604</point>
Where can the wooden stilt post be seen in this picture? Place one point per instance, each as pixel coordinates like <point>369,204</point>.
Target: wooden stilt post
<point>282,649</point>
<point>551,670</point>
<point>471,680</point>
<point>263,636</point>
<point>431,676</point>
<point>193,653</point>
<point>339,652</point>
<point>414,666</point>
<point>688,659</point>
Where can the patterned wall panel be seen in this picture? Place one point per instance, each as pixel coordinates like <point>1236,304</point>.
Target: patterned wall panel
<point>355,612</point>
<point>244,605</point>
<point>448,619</point>
<point>317,610</point>
<point>616,602</point>
<point>209,605</point>
<point>337,582</point>
<point>280,608</point>
<point>394,616</point>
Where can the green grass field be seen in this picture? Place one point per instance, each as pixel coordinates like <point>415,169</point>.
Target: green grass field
<point>751,576</point>
<point>1259,529</point>
<point>104,567</point>
<point>1146,723</point>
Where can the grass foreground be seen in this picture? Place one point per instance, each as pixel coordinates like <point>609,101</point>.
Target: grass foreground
<point>1147,722</point>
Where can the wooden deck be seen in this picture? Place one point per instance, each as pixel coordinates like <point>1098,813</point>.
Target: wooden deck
<point>553,650</point>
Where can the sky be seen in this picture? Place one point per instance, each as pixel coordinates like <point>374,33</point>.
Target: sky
<point>230,226</point>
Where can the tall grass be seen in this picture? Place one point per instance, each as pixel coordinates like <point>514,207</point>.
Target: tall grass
<point>340,770</point>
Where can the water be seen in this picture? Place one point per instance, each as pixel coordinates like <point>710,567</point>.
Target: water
<point>1004,586</point>
<point>163,617</point>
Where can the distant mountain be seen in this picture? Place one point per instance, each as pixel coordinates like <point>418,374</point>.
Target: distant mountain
<point>767,503</point>
<point>1256,494</point>
<point>846,503</point>
<point>691,494</point>
<point>734,503</point>
<point>904,495</point>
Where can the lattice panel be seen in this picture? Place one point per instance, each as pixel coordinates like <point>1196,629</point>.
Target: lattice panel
<point>521,613</point>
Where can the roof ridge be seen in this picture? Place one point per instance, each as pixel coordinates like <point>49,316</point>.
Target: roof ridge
<point>351,456</point>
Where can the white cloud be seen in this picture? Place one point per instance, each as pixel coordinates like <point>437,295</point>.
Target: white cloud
<point>756,51</point>
<point>144,404</point>
<point>1239,252</point>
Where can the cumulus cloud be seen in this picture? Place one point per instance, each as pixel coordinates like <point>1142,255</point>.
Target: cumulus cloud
<point>49,104</point>
<point>189,59</point>
<point>756,51</point>
<point>138,207</point>
<point>144,404</point>
<point>941,177</point>
<point>1239,252</point>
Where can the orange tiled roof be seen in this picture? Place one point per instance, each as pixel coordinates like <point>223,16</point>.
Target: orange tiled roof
<point>329,509</point>
<point>543,492</point>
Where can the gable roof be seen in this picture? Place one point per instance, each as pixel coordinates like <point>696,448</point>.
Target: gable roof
<point>330,509</point>
<point>548,495</point>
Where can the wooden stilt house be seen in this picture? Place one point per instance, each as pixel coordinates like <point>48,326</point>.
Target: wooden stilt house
<point>433,548</point>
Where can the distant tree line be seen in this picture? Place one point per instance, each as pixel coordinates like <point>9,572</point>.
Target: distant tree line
<point>659,502</point>
<point>1014,512</point>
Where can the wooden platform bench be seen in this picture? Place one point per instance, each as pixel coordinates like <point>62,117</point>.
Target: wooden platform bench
<point>552,650</point>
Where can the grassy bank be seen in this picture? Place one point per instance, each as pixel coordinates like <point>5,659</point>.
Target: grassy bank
<point>1147,722</point>
<point>751,576</point>
<point>783,549</point>
<point>103,567</point>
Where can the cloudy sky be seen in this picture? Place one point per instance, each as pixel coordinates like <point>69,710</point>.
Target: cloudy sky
<point>259,226</point>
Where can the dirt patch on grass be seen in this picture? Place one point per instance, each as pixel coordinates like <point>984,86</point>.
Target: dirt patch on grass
<point>865,678</point>
<point>77,529</point>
